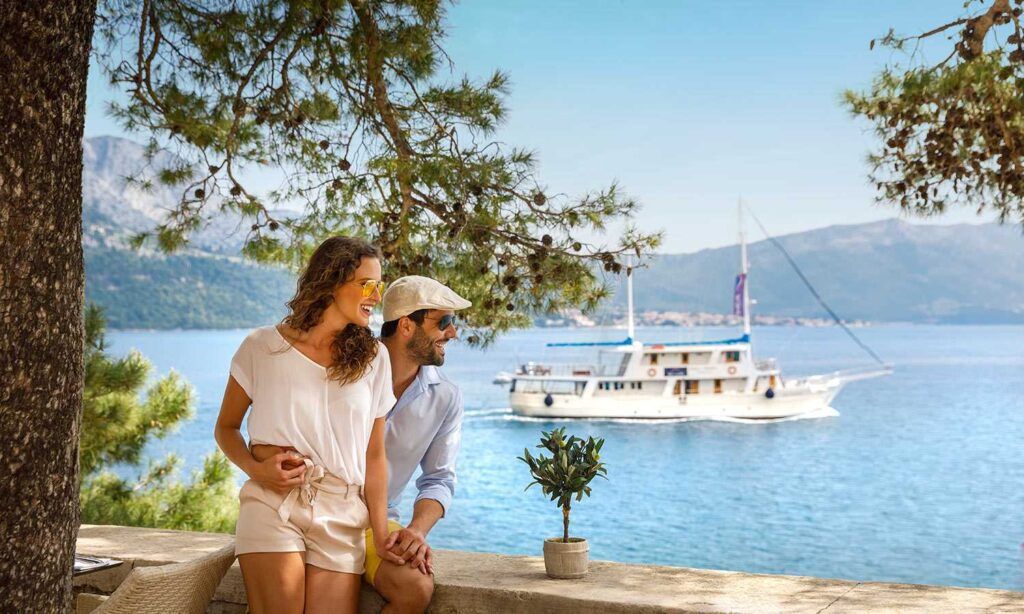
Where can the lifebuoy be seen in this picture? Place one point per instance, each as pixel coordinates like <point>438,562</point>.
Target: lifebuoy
<point>732,370</point>
<point>652,372</point>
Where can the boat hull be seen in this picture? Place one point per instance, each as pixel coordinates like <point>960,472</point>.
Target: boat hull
<point>754,406</point>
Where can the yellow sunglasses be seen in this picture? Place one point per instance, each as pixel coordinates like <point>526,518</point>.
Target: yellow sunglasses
<point>370,285</point>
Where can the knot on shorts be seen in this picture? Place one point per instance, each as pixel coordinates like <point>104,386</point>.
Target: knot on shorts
<point>307,490</point>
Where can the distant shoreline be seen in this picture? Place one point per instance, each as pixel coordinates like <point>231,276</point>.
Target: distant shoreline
<point>873,324</point>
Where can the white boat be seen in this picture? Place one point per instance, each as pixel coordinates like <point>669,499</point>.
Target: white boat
<point>716,379</point>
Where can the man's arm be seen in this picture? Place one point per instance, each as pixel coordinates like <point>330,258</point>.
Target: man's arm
<point>437,480</point>
<point>425,514</point>
<point>436,488</point>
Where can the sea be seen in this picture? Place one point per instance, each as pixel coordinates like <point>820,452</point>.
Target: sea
<point>915,477</point>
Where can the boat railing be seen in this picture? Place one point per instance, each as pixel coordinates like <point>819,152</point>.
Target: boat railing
<point>558,369</point>
<point>766,364</point>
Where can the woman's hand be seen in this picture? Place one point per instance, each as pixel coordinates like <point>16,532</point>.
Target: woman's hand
<point>279,471</point>
<point>380,543</point>
<point>411,545</point>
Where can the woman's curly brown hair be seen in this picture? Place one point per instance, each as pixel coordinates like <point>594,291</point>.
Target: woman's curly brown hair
<point>334,263</point>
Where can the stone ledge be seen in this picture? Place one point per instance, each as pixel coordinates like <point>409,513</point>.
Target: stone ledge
<point>470,582</point>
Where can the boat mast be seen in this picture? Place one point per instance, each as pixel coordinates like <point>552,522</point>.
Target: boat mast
<point>743,270</point>
<point>629,298</point>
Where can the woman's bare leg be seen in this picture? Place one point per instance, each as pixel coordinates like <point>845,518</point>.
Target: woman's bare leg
<point>274,581</point>
<point>332,591</point>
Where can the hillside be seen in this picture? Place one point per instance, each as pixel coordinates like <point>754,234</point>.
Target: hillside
<point>890,270</point>
<point>183,290</point>
<point>207,286</point>
<point>884,271</point>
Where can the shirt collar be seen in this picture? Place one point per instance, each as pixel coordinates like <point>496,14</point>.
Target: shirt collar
<point>428,376</point>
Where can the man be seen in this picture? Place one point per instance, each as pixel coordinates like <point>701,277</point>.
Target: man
<point>424,429</point>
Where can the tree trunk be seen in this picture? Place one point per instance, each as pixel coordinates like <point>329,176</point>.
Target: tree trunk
<point>565,524</point>
<point>45,49</point>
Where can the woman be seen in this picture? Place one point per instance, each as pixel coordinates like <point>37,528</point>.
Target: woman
<point>319,385</point>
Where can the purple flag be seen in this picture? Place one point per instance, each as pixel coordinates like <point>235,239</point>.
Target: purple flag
<point>737,295</point>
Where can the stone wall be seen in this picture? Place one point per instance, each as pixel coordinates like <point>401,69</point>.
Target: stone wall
<point>470,582</point>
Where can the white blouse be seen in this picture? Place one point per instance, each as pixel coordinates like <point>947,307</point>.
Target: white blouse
<point>295,404</point>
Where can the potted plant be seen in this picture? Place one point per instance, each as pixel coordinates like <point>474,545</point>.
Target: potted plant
<point>563,475</point>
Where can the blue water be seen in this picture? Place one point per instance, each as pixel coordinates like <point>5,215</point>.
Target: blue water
<point>918,479</point>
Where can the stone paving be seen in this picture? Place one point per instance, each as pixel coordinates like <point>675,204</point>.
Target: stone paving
<point>483,583</point>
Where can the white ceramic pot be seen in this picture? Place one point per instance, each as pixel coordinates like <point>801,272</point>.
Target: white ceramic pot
<point>566,560</point>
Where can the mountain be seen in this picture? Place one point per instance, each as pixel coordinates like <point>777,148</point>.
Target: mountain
<point>113,209</point>
<point>884,271</point>
<point>206,286</point>
<point>889,271</point>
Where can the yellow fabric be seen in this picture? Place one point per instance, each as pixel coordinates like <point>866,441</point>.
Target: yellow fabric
<point>372,560</point>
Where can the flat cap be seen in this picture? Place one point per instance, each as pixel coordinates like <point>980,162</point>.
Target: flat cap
<point>414,292</point>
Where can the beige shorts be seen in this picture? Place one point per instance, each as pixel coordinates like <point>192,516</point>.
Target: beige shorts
<point>326,520</point>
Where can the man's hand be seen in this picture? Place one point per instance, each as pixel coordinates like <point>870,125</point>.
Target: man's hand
<point>280,468</point>
<point>411,545</point>
<point>263,451</point>
<point>274,472</point>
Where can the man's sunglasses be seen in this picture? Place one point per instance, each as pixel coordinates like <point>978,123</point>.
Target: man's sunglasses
<point>444,321</point>
<point>370,285</point>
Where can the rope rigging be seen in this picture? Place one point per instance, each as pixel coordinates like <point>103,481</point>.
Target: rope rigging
<point>814,292</point>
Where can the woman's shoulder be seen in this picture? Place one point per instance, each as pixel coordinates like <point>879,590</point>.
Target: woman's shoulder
<point>264,339</point>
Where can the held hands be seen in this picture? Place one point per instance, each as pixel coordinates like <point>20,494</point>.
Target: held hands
<point>382,551</point>
<point>411,546</point>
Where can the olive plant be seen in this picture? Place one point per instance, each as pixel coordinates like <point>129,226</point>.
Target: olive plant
<point>568,471</point>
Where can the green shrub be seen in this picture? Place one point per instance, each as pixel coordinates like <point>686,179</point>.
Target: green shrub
<point>567,473</point>
<point>116,425</point>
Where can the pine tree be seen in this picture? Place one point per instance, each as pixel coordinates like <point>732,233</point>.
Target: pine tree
<point>349,100</point>
<point>354,102</point>
<point>116,426</point>
<point>45,49</point>
<point>952,134</point>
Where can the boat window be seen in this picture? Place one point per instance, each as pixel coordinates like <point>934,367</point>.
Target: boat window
<point>559,387</point>
<point>731,356</point>
<point>677,387</point>
<point>654,359</point>
<point>692,387</point>
<point>686,357</point>
<point>718,386</point>
<point>546,386</point>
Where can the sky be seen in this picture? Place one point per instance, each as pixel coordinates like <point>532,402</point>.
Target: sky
<point>688,105</point>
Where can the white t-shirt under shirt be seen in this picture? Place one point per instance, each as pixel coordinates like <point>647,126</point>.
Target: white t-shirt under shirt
<point>295,404</point>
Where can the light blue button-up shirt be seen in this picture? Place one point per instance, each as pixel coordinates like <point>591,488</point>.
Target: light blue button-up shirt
<point>424,428</point>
